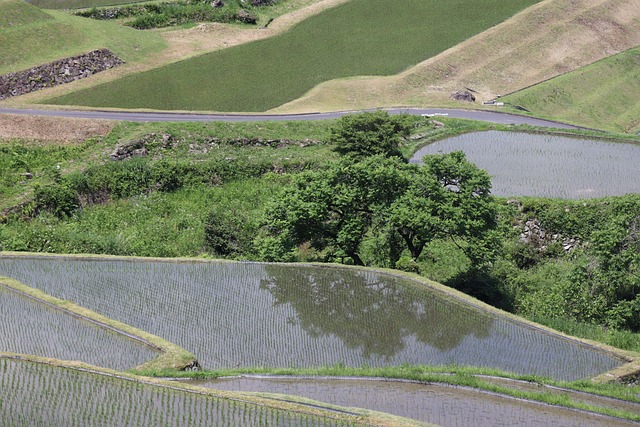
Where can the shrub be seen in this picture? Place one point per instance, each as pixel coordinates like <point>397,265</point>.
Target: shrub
<point>59,199</point>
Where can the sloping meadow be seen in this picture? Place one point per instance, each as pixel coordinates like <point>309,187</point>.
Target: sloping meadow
<point>33,393</point>
<point>239,315</point>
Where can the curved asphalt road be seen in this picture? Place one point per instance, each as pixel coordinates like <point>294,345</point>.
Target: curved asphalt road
<point>133,116</point>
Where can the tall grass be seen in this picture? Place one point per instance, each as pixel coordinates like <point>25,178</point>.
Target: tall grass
<point>361,37</point>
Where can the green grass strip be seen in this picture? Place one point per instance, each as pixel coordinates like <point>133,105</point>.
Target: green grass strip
<point>361,37</point>
<point>34,37</point>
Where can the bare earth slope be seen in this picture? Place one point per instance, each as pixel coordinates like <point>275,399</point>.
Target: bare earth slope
<point>543,41</point>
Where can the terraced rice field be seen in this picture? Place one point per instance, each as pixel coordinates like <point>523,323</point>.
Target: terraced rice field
<point>431,403</point>
<point>247,314</point>
<point>33,394</point>
<point>522,164</point>
<point>31,327</point>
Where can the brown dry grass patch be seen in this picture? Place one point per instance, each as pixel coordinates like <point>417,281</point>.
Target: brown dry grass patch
<point>51,129</point>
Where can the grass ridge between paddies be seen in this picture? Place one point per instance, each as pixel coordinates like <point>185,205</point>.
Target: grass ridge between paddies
<point>172,357</point>
<point>361,37</point>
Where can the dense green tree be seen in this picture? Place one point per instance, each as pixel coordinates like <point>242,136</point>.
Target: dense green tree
<point>370,133</point>
<point>335,209</point>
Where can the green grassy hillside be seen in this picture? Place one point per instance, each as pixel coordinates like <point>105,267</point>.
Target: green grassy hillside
<point>30,36</point>
<point>361,37</point>
<point>603,95</point>
<point>16,13</point>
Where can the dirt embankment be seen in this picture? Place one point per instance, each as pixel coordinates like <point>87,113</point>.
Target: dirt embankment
<point>51,129</point>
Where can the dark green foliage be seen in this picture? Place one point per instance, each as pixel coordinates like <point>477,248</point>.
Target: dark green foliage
<point>227,233</point>
<point>370,134</point>
<point>58,199</point>
<point>334,210</point>
<point>121,179</point>
<point>155,15</point>
<point>601,283</point>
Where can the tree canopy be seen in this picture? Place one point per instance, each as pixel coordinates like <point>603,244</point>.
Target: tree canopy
<point>336,209</point>
<point>369,134</point>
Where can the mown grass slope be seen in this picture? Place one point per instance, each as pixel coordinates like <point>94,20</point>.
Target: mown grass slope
<point>548,39</point>
<point>16,13</point>
<point>361,37</point>
<point>605,93</point>
<point>30,36</point>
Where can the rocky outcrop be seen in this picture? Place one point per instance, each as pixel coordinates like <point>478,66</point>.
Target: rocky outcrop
<point>57,72</point>
<point>463,96</point>
<point>149,142</point>
<point>246,17</point>
<point>138,148</point>
<point>533,233</point>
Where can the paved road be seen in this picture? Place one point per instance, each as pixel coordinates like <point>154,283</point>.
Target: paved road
<point>133,116</point>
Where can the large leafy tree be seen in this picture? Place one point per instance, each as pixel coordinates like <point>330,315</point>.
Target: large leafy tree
<point>370,134</point>
<point>335,209</point>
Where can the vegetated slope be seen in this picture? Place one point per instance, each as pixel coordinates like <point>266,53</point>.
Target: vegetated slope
<point>543,41</point>
<point>16,13</point>
<point>51,35</point>
<point>604,94</point>
<point>361,37</point>
<point>77,4</point>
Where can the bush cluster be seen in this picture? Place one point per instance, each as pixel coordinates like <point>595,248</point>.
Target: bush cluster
<point>170,14</point>
<point>135,176</point>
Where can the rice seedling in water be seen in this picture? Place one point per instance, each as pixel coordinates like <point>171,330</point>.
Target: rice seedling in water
<point>233,315</point>
<point>35,394</point>
<point>523,164</point>
<point>432,403</point>
<point>31,327</point>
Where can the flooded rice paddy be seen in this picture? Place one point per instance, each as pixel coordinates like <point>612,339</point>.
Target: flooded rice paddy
<point>431,403</point>
<point>522,164</point>
<point>233,315</point>
<point>37,395</point>
<point>31,327</point>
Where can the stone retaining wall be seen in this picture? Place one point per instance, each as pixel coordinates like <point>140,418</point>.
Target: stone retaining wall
<point>58,72</point>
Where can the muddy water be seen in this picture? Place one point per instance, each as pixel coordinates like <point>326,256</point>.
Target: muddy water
<point>438,404</point>
<point>522,164</point>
